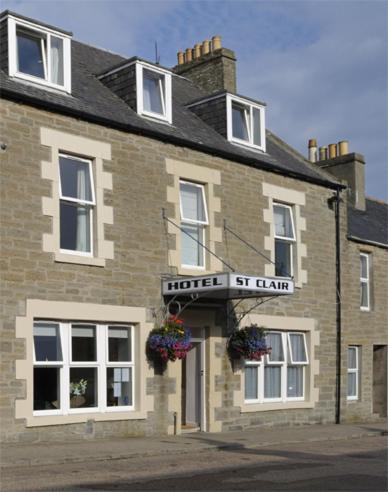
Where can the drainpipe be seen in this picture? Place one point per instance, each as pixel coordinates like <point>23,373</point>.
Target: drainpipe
<point>337,199</point>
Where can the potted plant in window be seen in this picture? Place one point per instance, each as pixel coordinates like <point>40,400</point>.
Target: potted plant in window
<point>170,341</point>
<point>248,343</point>
<point>77,392</point>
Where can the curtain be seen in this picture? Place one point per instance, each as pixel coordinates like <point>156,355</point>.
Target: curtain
<point>56,60</point>
<point>272,382</point>
<point>239,122</point>
<point>294,381</point>
<point>297,348</point>
<point>192,252</point>
<point>274,340</point>
<point>193,207</point>
<point>152,97</point>
<point>352,384</point>
<point>283,224</point>
<point>251,382</point>
<point>83,227</point>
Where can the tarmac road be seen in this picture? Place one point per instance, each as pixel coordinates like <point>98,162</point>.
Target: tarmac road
<point>358,464</point>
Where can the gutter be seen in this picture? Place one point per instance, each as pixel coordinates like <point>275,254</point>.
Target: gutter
<point>181,142</point>
<point>366,241</point>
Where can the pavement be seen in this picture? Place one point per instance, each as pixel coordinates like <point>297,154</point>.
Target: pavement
<point>49,453</point>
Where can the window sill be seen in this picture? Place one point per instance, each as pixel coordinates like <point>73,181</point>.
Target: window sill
<point>76,418</point>
<point>265,407</point>
<point>79,260</point>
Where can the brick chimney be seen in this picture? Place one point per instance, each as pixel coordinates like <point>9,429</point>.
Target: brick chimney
<point>209,66</point>
<point>346,166</point>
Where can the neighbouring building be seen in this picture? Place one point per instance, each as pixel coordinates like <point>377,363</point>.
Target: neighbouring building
<point>130,191</point>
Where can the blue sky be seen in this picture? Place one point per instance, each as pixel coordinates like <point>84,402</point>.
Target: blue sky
<point>320,65</point>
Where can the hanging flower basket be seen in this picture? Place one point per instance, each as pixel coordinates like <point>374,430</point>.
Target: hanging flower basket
<point>248,343</point>
<point>171,341</point>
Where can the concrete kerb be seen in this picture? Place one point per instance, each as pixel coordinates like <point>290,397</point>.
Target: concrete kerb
<point>16,455</point>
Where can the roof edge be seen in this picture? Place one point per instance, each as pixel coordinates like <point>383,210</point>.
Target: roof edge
<point>366,241</point>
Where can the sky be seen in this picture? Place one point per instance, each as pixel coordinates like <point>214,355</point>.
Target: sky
<point>320,65</point>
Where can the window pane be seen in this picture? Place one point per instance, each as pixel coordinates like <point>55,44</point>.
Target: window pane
<point>57,60</point>
<point>251,382</point>
<point>352,358</point>
<point>364,295</point>
<point>352,384</point>
<point>46,388</point>
<point>294,381</point>
<point>256,127</point>
<point>30,56</point>
<point>239,122</point>
<point>193,207</point>
<point>272,382</point>
<point>192,252</point>
<point>364,266</point>
<point>283,222</point>
<point>297,348</point>
<point>75,227</point>
<point>83,343</point>
<point>152,96</point>
<point>282,258</point>
<point>119,386</point>
<point>274,340</point>
<point>47,342</point>
<point>83,387</point>
<point>119,341</point>
<point>75,179</point>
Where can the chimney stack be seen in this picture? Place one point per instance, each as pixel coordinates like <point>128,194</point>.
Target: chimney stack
<point>345,166</point>
<point>209,65</point>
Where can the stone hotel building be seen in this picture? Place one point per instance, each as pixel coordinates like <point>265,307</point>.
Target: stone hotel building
<point>131,191</point>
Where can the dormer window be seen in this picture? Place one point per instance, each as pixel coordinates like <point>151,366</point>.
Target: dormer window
<point>153,92</point>
<point>246,125</point>
<point>38,54</point>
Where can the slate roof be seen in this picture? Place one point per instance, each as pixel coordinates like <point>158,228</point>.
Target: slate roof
<point>371,225</point>
<point>93,101</point>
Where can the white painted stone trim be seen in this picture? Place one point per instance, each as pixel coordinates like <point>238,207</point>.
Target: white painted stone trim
<point>208,177</point>
<point>52,310</point>
<point>296,199</point>
<point>96,151</point>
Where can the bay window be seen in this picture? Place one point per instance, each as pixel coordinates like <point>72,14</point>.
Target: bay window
<point>281,375</point>
<point>77,202</point>
<point>82,367</point>
<point>194,219</point>
<point>285,239</point>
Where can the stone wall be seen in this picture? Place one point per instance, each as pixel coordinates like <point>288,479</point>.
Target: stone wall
<point>141,245</point>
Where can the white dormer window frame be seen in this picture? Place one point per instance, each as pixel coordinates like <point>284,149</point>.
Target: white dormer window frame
<point>47,38</point>
<point>248,108</point>
<point>163,88</point>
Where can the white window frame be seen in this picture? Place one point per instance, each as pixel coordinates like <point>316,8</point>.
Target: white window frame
<point>290,241</point>
<point>202,224</point>
<point>42,32</point>
<point>166,96</point>
<point>354,370</point>
<point>230,99</point>
<point>284,365</point>
<point>89,203</point>
<point>365,280</point>
<point>101,364</point>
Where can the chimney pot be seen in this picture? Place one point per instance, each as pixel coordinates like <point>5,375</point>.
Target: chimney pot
<point>181,57</point>
<point>322,153</point>
<point>206,47</point>
<point>332,151</point>
<point>343,147</point>
<point>197,51</point>
<point>216,43</point>
<point>313,150</point>
<point>189,55</point>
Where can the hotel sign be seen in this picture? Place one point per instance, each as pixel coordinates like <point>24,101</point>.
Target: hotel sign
<point>227,286</point>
